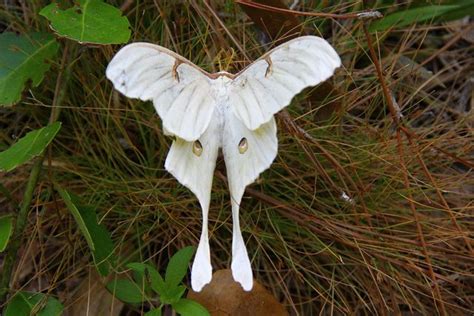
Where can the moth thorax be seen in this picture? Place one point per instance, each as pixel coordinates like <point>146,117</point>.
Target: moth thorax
<point>197,148</point>
<point>243,145</point>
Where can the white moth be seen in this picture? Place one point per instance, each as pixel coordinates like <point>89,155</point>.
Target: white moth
<point>234,112</point>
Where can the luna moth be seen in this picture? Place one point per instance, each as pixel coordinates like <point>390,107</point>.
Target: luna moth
<point>235,112</point>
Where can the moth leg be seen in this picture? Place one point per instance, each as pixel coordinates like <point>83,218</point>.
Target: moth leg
<point>269,69</point>
<point>174,72</point>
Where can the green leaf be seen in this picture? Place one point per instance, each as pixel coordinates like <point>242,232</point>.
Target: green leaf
<point>178,266</point>
<point>6,229</point>
<point>139,274</point>
<point>23,58</point>
<point>29,146</point>
<point>186,307</point>
<point>92,21</point>
<point>18,306</point>
<point>149,273</point>
<point>414,15</point>
<point>97,237</point>
<point>24,303</point>
<point>154,312</point>
<point>157,283</point>
<point>465,8</point>
<point>53,308</point>
<point>173,295</point>
<point>126,291</point>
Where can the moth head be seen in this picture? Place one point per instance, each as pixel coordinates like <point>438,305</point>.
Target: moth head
<point>243,145</point>
<point>197,148</point>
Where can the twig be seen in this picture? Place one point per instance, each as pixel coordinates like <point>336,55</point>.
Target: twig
<point>378,68</point>
<point>127,3</point>
<point>294,4</point>
<point>365,15</point>
<point>396,119</point>
<point>410,135</point>
<point>438,298</point>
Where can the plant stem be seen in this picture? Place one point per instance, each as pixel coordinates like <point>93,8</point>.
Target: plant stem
<point>20,225</point>
<point>22,216</point>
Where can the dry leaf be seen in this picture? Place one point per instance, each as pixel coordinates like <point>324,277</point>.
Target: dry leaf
<point>279,26</point>
<point>318,99</point>
<point>463,26</point>
<point>409,68</point>
<point>225,297</point>
<point>92,298</point>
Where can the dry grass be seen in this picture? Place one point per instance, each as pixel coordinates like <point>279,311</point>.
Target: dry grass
<point>398,244</point>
